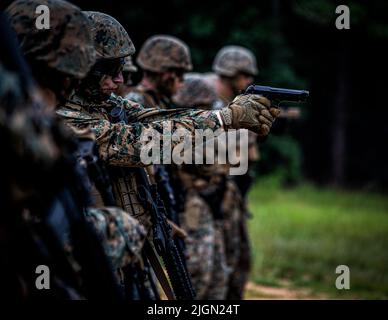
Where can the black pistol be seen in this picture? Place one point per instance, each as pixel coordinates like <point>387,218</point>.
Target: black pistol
<point>278,95</point>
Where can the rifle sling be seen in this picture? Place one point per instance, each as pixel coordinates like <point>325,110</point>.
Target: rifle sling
<point>158,269</point>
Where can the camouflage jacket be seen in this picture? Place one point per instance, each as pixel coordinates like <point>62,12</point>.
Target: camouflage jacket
<point>148,98</point>
<point>30,151</point>
<point>119,143</point>
<point>188,174</point>
<point>122,235</point>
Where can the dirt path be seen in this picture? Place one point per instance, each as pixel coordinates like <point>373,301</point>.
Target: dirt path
<point>259,292</point>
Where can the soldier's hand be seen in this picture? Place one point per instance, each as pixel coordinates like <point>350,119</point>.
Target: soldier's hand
<point>253,112</point>
<point>177,232</point>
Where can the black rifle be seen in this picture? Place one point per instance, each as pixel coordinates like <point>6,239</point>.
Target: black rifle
<point>278,95</point>
<point>134,276</point>
<point>87,245</point>
<point>163,241</point>
<point>162,233</point>
<point>172,195</point>
<point>166,192</point>
<point>88,151</point>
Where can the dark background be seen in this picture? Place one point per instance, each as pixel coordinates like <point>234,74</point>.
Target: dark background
<point>343,131</point>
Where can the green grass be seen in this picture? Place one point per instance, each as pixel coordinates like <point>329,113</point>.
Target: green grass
<point>301,235</point>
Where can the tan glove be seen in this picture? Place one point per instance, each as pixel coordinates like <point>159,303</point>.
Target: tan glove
<point>250,111</point>
<point>177,232</point>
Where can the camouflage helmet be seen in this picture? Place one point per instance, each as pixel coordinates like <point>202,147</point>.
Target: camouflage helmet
<point>195,92</point>
<point>210,78</point>
<point>160,53</point>
<point>66,47</point>
<point>111,41</point>
<point>128,65</point>
<point>231,60</point>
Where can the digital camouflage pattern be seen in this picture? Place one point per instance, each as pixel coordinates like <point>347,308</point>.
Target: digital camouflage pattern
<point>196,220</point>
<point>210,280</point>
<point>231,60</point>
<point>122,236</point>
<point>110,38</point>
<point>196,92</point>
<point>66,49</point>
<point>237,247</point>
<point>148,97</point>
<point>205,244</point>
<point>218,287</point>
<point>161,53</point>
<point>230,234</point>
<point>120,144</point>
<point>34,130</point>
<point>234,225</point>
<point>203,178</point>
<point>239,275</point>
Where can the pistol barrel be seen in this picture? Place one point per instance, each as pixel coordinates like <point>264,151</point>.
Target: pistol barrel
<point>279,94</point>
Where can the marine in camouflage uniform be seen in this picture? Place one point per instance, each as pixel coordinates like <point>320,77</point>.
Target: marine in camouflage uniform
<point>164,60</point>
<point>201,217</point>
<point>123,237</point>
<point>129,152</point>
<point>37,148</point>
<point>234,68</point>
<point>120,143</point>
<point>120,234</point>
<point>88,111</point>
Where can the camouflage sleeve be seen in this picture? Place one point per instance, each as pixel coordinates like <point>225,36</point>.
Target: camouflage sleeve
<point>121,144</point>
<point>200,119</point>
<point>122,236</point>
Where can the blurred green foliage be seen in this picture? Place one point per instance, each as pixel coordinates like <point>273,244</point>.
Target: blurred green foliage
<point>297,46</point>
<point>299,236</point>
<point>281,156</point>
